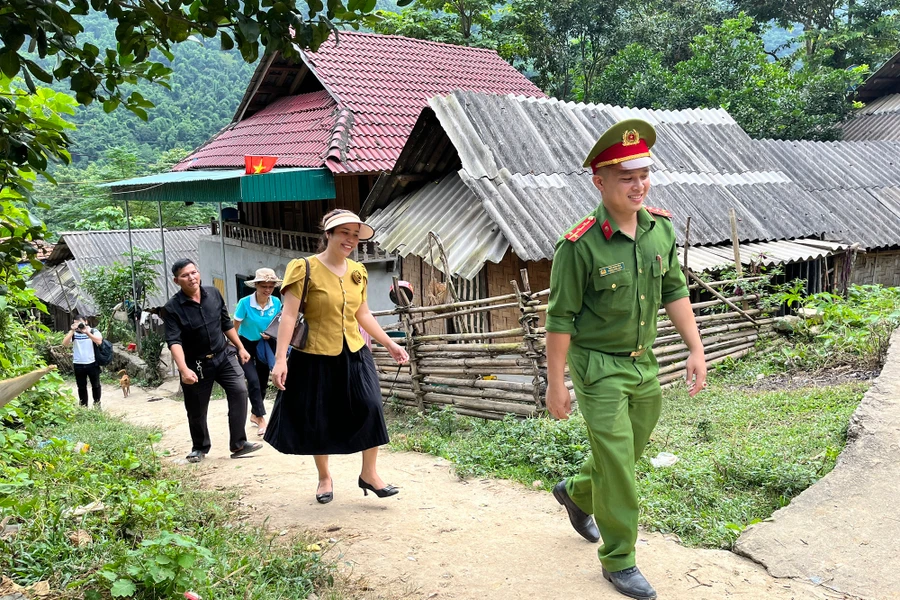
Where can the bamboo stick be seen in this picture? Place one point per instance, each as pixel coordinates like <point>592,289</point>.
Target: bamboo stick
<point>471,403</point>
<point>465,392</point>
<point>714,317</point>
<point>671,378</point>
<point>724,282</point>
<point>426,349</point>
<point>700,305</point>
<point>456,305</point>
<point>735,326</point>
<point>681,364</point>
<point>466,412</point>
<point>462,337</point>
<point>533,350</point>
<point>410,346</point>
<point>511,386</point>
<point>712,348</point>
<point>721,297</point>
<point>707,342</point>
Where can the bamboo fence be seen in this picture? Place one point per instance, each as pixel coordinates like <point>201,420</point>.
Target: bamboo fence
<point>491,374</point>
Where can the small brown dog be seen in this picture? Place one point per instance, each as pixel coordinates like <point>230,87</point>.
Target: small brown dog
<point>124,382</point>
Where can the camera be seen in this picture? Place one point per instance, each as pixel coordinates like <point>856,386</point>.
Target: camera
<point>81,326</point>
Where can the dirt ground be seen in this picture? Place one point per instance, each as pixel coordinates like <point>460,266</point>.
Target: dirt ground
<point>441,537</point>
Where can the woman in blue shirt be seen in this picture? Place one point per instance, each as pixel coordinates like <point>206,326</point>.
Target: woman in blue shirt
<point>253,315</point>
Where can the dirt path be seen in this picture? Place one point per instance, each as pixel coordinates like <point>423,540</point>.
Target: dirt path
<point>441,537</point>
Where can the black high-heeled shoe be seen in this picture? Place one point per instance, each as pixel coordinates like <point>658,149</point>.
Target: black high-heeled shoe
<point>326,497</point>
<point>388,490</point>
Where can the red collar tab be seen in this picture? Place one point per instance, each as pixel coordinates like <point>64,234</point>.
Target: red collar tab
<point>629,148</point>
<point>660,212</point>
<point>607,229</point>
<point>580,229</point>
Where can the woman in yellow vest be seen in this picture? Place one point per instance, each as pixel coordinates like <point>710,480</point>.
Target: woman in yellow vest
<point>331,399</point>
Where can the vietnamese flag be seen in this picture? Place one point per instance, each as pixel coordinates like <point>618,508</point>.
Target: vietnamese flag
<point>255,165</point>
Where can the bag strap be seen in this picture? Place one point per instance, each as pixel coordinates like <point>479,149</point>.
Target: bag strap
<point>305,287</point>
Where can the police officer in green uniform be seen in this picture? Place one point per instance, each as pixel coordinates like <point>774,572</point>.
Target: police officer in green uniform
<point>611,273</point>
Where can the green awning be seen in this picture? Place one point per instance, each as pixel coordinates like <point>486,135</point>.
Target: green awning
<point>234,185</point>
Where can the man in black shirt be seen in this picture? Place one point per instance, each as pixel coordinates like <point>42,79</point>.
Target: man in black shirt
<point>197,323</point>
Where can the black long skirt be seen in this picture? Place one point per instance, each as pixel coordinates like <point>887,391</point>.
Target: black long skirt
<point>330,405</point>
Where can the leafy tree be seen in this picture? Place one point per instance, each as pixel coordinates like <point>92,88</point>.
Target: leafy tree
<point>111,285</point>
<point>836,33</point>
<point>461,22</point>
<point>564,41</point>
<point>730,68</point>
<point>77,203</point>
<point>27,121</point>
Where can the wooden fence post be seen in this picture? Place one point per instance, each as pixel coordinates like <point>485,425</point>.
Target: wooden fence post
<point>408,328</point>
<point>529,320</point>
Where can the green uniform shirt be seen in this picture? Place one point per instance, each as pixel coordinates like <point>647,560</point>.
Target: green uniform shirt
<point>606,292</point>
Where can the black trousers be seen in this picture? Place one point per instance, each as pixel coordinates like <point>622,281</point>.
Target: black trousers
<point>82,373</point>
<point>224,369</point>
<point>257,373</point>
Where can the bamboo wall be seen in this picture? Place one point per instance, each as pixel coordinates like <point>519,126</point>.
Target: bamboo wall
<point>504,370</point>
<point>878,267</point>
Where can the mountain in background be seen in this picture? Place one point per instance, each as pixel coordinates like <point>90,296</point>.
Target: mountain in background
<point>207,85</point>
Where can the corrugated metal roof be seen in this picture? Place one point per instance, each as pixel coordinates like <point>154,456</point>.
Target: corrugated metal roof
<point>879,126</point>
<point>856,184</point>
<point>889,103</point>
<point>375,87</point>
<point>78,250</point>
<point>534,210</point>
<point>46,284</point>
<point>450,209</point>
<point>521,157</point>
<point>714,258</point>
<point>527,135</point>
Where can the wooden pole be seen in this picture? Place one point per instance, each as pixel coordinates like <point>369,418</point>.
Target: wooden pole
<point>736,244</point>
<point>533,351</point>
<point>687,244</point>
<point>720,296</point>
<point>410,347</point>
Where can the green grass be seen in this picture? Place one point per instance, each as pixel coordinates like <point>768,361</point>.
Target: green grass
<point>159,533</point>
<point>742,453</point>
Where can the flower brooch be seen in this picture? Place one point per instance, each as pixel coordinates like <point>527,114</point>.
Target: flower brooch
<point>357,277</point>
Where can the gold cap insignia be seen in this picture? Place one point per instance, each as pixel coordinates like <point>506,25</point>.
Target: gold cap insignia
<point>631,137</point>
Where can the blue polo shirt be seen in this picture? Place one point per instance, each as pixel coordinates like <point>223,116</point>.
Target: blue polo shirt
<point>254,318</point>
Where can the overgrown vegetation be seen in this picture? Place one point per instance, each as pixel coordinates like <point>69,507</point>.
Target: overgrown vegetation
<point>744,450</point>
<point>110,286</point>
<point>98,516</point>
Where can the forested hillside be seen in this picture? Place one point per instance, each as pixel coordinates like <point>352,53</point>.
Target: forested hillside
<point>206,87</point>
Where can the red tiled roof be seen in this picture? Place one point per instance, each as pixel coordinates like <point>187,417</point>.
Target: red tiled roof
<point>378,85</point>
<point>296,129</point>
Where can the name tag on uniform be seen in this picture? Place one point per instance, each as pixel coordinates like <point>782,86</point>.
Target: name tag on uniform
<point>604,271</point>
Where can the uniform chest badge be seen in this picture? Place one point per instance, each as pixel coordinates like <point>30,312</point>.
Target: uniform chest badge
<point>604,271</point>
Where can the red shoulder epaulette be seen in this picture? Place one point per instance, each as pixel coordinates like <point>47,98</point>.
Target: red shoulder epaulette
<point>580,229</point>
<point>660,212</point>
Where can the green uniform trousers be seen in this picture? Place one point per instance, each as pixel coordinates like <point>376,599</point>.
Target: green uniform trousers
<point>620,399</point>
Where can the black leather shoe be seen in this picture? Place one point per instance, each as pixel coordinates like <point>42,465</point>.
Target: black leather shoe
<point>631,583</point>
<point>326,497</point>
<point>581,521</point>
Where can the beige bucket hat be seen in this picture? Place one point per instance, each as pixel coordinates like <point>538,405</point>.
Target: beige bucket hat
<point>263,275</point>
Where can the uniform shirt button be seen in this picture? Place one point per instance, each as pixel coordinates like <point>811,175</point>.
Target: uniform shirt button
<point>642,296</point>
<point>640,347</point>
<point>642,323</point>
<point>613,286</point>
<point>640,270</point>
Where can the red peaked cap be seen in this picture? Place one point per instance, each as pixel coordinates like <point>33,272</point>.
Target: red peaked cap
<point>619,153</point>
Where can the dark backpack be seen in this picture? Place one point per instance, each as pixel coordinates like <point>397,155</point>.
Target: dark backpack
<point>103,353</point>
